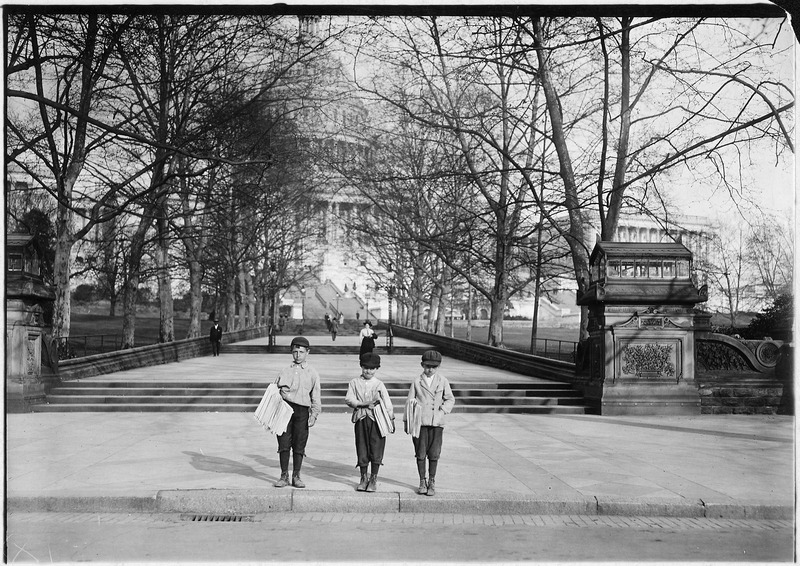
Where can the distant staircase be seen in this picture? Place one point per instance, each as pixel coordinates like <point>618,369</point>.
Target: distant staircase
<point>328,348</point>
<point>212,396</point>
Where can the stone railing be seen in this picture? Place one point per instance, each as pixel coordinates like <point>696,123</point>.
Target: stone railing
<point>743,376</point>
<point>155,354</point>
<point>501,358</point>
<point>719,352</point>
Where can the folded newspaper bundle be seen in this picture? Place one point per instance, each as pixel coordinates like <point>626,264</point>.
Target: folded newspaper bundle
<point>273,412</point>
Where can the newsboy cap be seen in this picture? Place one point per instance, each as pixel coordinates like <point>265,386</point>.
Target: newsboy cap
<point>432,358</point>
<point>370,360</point>
<point>300,341</point>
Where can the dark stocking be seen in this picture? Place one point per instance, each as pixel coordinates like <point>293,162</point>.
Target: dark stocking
<point>421,469</point>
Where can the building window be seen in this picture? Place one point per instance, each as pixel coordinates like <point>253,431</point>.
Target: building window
<point>15,262</point>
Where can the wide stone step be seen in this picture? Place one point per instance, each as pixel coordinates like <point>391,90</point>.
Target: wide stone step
<point>321,349</point>
<point>220,408</point>
<point>457,386</point>
<point>133,395</point>
<point>214,396</point>
<point>153,391</point>
<point>156,399</point>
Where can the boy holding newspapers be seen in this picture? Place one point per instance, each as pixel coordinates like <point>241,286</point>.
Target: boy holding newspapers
<point>430,398</point>
<point>373,418</point>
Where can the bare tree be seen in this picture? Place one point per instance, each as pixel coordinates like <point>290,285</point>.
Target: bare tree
<point>770,251</point>
<point>58,63</point>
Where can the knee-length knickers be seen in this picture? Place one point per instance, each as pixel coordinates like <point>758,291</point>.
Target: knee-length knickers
<point>429,443</point>
<point>296,434</point>
<point>370,445</point>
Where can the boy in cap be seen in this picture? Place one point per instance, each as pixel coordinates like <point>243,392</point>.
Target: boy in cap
<point>363,395</point>
<point>429,400</point>
<point>299,386</point>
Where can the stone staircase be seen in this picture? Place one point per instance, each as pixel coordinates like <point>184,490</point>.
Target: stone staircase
<point>232,396</point>
<point>327,348</point>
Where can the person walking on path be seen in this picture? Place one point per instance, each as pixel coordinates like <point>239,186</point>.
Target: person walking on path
<point>299,386</point>
<point>430,398</point>
<point>216,337</point>
<point>368,338</point>
<point>364,394</point>
<point>334,328</point>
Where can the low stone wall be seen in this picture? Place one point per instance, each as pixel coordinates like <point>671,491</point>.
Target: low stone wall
<point>739,394</point>
<point>143,356</point>
<point>525,364</point>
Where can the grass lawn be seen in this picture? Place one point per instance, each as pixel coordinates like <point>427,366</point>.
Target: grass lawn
<point>86,331</point>
<point>95,333</point>
<point>518,337</point>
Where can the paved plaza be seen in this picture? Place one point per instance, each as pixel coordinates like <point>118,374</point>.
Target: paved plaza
<point>700,466</point>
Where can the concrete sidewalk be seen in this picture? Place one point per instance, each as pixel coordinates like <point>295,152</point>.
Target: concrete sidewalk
<point>712,466</point>
<point>703,466</point>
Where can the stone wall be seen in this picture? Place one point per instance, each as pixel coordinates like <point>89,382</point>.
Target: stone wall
<point>501,358</point>
<point>151,355</point>
<point>737,394</point>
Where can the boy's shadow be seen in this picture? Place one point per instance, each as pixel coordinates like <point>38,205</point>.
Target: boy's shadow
<point>219,465</point>
<point>326,470</point>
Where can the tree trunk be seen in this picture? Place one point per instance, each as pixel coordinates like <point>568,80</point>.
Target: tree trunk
<point>129,310</point>
<point>196,299</point>
<point>469,311</point>
<point>537,288</point>
<point>432,325</point>
<point>61,272</point>
<point>496,318</point>
<point>576,237</point>
<point>230,323</point>
<point>166,327</point>
<point>242,310</point>
<point>132,280</point>
<point>250,295</point>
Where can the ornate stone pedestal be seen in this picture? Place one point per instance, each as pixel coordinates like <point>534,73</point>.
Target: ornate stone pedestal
<point>641,326</point>
<point>31,354</point>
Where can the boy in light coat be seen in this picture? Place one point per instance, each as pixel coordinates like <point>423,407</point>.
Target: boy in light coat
<point>429,400</point>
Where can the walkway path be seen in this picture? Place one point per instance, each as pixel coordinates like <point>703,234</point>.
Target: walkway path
<point>721,466</point>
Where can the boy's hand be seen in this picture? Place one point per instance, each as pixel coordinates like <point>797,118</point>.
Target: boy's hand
<point>311,420</point>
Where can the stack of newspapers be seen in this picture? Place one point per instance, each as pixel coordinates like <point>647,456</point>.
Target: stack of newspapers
<point>413,417</point>
<point>383,419</point>
<point>273,412</point>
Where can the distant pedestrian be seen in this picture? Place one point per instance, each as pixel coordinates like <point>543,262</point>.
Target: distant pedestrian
<point>368,338</point>
<point>429,400</point>
<point>341,318</point>
<point>334,329</point>
<point>216,337</point>
<point>300,388</point>
<point>370,401</point>
<point>328,321</point>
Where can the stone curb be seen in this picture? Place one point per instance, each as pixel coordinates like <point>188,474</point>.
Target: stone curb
<point>249,501</point>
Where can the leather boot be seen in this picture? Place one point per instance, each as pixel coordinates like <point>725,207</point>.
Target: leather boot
<point>431,487</point>
<point>373,483</point>
<point>423,486</point>
<point>362,485</point>
<point>297,463</point>
<point>284,481</point>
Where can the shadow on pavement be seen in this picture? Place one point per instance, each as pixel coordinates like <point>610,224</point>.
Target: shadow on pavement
<point>219,465</point>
